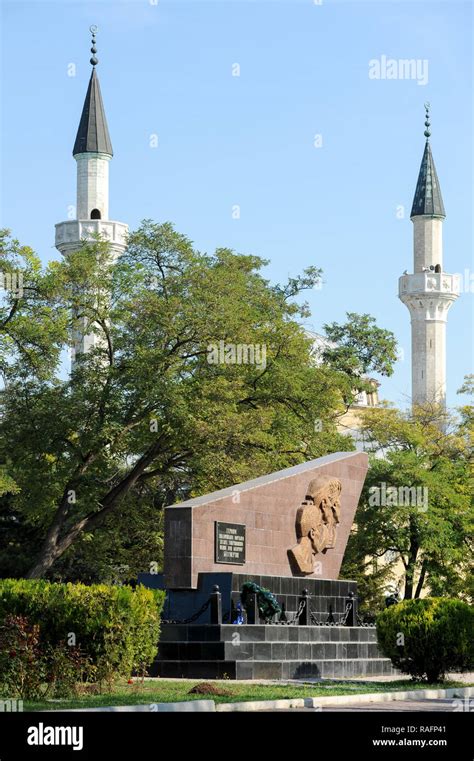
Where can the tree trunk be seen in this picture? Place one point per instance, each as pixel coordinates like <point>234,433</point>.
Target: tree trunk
<point>48,552</point>
<point>55,545</point>
<point>421,580</point>
<point>44,561</point>
<point>411,562</point>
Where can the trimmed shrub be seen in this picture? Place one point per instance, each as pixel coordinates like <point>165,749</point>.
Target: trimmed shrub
<point>29,669</point>
<point>67,669</point>
<point>427,638</point>
<point>22,669</point>
<point>115,628</point>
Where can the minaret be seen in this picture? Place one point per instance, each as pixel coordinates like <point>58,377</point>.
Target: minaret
<point>92,152</point>
<point>429,291</point>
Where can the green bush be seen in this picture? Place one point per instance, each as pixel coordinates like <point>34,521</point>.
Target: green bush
<point>427,638</point>
<point>116,628</point>
<point>30,670</point>
<point>21,659</point>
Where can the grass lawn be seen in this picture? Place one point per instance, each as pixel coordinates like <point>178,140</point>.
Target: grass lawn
<point>168,691</point>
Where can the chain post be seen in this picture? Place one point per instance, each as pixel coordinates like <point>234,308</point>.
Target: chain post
<point>305,615</point>
<point>350,619</point>
<point>216,605</point>
<point>253,616</point>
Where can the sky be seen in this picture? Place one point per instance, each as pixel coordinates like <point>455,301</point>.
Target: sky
<point>263,126</point>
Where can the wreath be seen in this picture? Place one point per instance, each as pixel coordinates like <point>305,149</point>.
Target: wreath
<point>267,603</point>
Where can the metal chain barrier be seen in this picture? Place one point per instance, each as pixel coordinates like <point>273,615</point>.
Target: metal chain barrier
<point>315,622</point>
<point>298,613</point>
<point>361,622</point>
<point>346,613</point>
<point>291,622</point>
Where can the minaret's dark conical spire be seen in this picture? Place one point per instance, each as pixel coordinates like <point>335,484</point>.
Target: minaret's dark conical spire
<point>428,200</point>
<point>93,133</point>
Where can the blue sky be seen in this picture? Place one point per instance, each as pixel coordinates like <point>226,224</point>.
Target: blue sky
<point>166,69</point>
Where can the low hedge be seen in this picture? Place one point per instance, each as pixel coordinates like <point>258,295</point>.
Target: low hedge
<point>429,637</point>
<point>115,627</point>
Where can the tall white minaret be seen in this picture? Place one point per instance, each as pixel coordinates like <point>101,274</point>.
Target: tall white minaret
<point>429,291</point>
<point>93,152</point>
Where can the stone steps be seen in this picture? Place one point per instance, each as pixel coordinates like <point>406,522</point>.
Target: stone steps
<point>291,669</point>
<point>266,633</point>
<point>268,652</point>
<point>262,651</point>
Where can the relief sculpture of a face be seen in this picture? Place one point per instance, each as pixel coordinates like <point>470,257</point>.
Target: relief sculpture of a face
<point>316,523</point>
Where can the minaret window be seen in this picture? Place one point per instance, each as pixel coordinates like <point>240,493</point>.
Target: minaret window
<point>438,268</point>
<point>95,214</point>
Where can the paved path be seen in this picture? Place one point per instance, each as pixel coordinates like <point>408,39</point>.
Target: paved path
<point>441,705</point>
<point>464,678</point>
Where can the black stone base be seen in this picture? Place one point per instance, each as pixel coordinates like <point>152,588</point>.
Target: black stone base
<point>268,652</point>
<point>264,651</point>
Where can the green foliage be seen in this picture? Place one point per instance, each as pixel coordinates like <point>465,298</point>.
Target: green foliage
<point>146,418</point>
<point>22,663</point>
<point>115,627</point>
<point>361,347</point>
<point>67,670</point>
<point>427,542</point>
<point>128,542</point>
<point>147,409</point>
<point>27,291</point>
<point>33,327</point>
<point>373,581</point>
<point>429,637</point>
<point>32,669</point>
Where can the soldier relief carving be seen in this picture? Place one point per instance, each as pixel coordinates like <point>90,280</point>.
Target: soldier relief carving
<point>316,523</point>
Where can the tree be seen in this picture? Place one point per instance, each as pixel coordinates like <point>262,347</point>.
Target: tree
<point>129,541</point>
<point>25,343</point>
<point>27,290</point>
<point>202,378</point>
<point>360,347</point>
<point>417,501</point>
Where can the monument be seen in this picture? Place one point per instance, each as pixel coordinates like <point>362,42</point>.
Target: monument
<point>285,532</point>
<point>257,525</point>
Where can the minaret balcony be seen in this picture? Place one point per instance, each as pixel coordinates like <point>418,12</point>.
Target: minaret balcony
<point>429,295</point>
<point>430,283</point>
<point>69,234</point>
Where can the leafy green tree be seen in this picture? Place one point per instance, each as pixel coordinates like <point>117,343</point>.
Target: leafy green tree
<point>32,327</point>
<point>416,503</point>
<point>360,348</point>
<point>26,290</point>
<point>160,402</point>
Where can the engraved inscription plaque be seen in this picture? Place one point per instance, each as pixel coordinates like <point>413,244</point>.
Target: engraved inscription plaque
<point>229,543</point>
